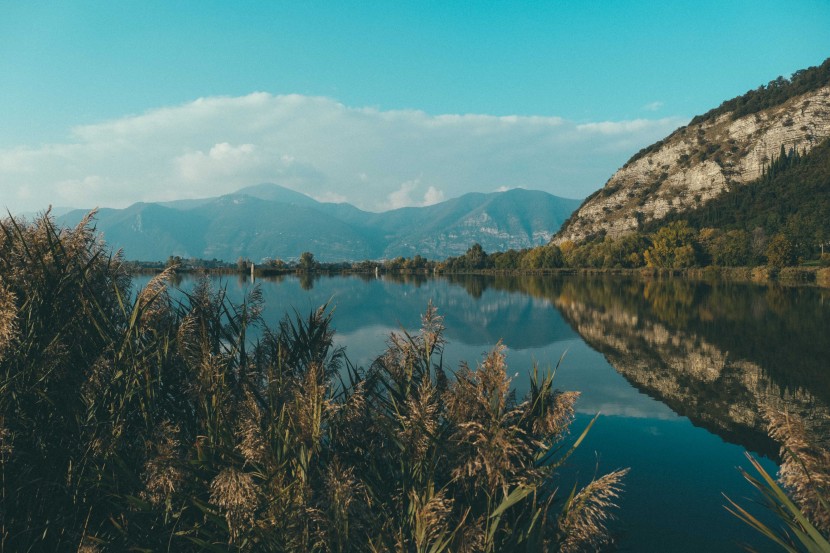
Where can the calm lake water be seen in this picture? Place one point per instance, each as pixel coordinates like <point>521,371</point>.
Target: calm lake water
<point>682,374</point>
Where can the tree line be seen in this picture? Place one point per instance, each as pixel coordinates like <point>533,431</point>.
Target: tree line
<point>776,92</point>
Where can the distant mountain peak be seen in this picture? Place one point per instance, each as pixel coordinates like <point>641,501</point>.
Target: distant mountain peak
<point>276,193</point>
<point>271,221</point>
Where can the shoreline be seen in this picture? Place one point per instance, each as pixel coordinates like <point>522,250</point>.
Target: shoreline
<point>761,275</point>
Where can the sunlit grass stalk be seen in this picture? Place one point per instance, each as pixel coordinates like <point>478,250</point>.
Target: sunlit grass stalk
<point>800,499</point>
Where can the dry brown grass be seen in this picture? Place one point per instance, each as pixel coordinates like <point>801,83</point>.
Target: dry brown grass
<point>8,317</point>
<point>159,425</point>
<point>589,512</point>
<point>804,470</point>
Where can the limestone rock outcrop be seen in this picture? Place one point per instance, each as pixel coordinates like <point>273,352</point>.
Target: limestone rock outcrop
<point>697,163</point>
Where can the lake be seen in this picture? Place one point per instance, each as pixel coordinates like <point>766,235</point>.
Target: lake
<point>681,373</point>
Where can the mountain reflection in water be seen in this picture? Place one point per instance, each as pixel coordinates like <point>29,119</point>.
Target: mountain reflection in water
<point>722,355</point>
<point>683,373</point>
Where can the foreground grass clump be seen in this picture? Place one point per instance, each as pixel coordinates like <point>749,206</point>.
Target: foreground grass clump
<point>151,424</point>
<point>800,498</point>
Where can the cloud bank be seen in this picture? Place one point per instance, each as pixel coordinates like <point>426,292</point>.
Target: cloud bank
<point>372,158</point>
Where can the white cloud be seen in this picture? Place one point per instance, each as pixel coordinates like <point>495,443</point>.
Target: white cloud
<point>330,197</point>
<point>402,197</point>
<point>433,196</point>
<point>406,194</point>
<point>653,106</point>
<point>505,188</point>
<point>375,159</point>
<point>221,160</point>
<point>624,127</point>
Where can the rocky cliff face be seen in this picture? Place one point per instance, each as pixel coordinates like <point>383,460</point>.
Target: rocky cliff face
<point>697,163</point>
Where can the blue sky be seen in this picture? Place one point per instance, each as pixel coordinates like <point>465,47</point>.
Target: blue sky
<point>379,103</point>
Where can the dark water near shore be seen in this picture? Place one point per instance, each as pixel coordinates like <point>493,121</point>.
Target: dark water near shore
<point>682,374</point>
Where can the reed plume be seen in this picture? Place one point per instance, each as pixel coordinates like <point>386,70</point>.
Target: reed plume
<point>8,318</point>
<point>584,523</point>
<point>805,468</point>
<point>235,493</point>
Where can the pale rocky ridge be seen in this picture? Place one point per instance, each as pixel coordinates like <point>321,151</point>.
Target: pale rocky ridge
<point>698,163</point>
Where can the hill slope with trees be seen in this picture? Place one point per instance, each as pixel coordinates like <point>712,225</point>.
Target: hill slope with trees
<point>724,149</point>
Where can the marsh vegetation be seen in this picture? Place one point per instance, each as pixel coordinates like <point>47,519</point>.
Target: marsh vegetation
<point>153,418</point>
<point>133,420</point>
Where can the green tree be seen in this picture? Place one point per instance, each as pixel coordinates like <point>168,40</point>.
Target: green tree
<point>476,257</point>
<point>548,256</point>
<point>780,251</point>
<point>758,243</point>
<point>672,247</point>
<point>626,251</point>
<point>307,262</point>
<point>732,249</point>
<point>506,260</point>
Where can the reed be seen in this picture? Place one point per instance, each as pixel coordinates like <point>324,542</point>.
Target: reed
<point>133,421</point>
<point>800,498</point>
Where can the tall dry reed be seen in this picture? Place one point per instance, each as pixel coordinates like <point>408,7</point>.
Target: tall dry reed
<point>130,420</point>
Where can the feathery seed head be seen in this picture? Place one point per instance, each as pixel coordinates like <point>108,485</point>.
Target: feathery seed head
<point>805,467</point>
<point>419,421</point>
<point>154,299</point>
<point>251,443</point>
<point>88,547</point>
<point>6,444</point>
<point>558,417</point>
<point>8,317</point>
<point>586,515</point>
<point>163,474</point>
<point>235,493</point>
<point>432,329</point>
<point>431,516</point>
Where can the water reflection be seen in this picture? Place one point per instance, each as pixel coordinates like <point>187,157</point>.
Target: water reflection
<point>683,373</point>
<point>724,356</point>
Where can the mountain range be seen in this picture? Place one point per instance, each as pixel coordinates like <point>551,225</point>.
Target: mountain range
<point>268,221</point>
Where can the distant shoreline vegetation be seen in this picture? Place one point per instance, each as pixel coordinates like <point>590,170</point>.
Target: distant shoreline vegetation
<point>543,260</point>
<point>788,276</point>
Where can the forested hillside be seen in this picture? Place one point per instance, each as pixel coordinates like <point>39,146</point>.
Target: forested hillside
<point>718,152</point>
<point>780,219</point>
<point>792,199</point>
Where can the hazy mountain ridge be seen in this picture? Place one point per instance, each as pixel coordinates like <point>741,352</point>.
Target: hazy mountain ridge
<point>270,221</point>
<point>714,154</point>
